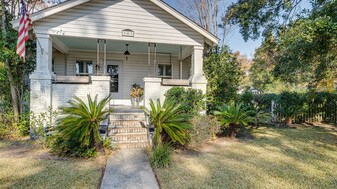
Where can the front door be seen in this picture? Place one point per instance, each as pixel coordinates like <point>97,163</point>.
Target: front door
<point>114,70</point>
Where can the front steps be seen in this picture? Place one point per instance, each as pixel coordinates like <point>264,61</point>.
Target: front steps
<point>126,128</point>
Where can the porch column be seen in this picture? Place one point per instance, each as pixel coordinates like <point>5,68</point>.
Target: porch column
<point>41,78</point>
<point>198,79</point>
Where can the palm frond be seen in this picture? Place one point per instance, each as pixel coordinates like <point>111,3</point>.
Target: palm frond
<point>81,121</point>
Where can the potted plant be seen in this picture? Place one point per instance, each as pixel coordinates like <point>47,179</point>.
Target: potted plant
<point>136,94</point>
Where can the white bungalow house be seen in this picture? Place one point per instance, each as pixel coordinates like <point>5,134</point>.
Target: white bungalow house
<point>82,44</point>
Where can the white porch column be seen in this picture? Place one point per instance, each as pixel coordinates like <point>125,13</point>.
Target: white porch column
<point>41,78</point>
<point>198,79</point>
<point>152,90</point>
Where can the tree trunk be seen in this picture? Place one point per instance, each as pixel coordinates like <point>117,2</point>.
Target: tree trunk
<point>288,121</point>
<point>14,95</point>
<point>232,131</point>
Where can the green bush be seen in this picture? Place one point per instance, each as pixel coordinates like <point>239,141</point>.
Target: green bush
<point>77,132</point>
<point>42,127</point>
<point>169,122</point>
<point>161,156</point>
<point>224,75</point>
<point>13,128</point>
<point>233,116</point>
<point>264,100</point>
<point>204,129</point>
<point>192,100</point>
<point>289,105</point>
<point>247,98</point>
<point>71,148</point>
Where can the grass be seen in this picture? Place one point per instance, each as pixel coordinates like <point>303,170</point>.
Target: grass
<point>24,166</point>
<point>305,157</point>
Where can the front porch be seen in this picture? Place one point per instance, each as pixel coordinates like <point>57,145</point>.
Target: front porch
<point>81,66</point>
<point>81,50</point>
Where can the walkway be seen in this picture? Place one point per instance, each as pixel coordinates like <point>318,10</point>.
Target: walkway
<point>129,169</point>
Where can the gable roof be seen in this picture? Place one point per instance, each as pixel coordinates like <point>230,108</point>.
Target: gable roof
<point>72,3</point>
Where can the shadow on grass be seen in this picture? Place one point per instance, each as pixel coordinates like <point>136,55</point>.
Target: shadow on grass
<point>21,166</point>
<point>305,157</point>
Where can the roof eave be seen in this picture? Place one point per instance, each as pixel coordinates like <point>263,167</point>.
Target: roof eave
<point>182,18</point>
<point>50,11</point>
<point>72,3</point>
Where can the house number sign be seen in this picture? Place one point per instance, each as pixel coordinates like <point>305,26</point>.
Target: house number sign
<point>128,33</point>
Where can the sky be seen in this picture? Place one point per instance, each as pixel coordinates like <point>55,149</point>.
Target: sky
<point>234,40</point>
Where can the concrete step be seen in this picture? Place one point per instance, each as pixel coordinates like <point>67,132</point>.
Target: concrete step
<point>127,116</point>
<point>132,145</point>
<point>119,130</point>
<point>129,137</point>
<point>126,124</point>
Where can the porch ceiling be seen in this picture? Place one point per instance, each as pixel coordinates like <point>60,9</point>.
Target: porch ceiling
<point>116,46</point>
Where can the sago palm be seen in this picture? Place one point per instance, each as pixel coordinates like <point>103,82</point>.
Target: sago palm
<point>233,116</point>
<point>81,121</point>
<point>169,122</point>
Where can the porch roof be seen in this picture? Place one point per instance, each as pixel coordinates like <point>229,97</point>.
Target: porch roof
<point>211,39</point>
<point>75,43</point>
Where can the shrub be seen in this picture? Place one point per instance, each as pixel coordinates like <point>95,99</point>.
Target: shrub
<point>11,127</point>
<point>192,100</point>
<point>42,127</point>
<point>289,105</point>
<point>233,116</point>
<point>224,75</point>
<point>259,116</point>
<point>72,148</point>
<point>170,124</point>
<point>78,131</point>
<point>161,156</point>
<point>247,98</point>
<point>204,129</point>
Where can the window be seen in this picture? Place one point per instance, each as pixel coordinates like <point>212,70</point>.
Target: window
<point>165,70</point>
<point>84,68</point>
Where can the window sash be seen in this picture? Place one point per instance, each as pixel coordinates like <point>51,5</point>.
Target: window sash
<point>164,70</point>
<point>84,67</point>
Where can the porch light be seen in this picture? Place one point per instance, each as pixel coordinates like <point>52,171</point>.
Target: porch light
<point>126,53</point>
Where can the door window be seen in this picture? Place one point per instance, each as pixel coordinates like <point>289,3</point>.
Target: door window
<point>113,72</point>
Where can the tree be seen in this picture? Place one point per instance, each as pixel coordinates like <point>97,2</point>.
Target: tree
<point>204,12</point>
<point>245,64</point>
<point>261,73</point>
<point>15,69</point>
<point>224,75</point>
<point>297,50</point>
<point>209,14</point>
<point>256,17</point>
<point>307,49</point>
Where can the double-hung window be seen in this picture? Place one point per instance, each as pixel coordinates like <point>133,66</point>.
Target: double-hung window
<point>84,67</point>
<point>165,70</point>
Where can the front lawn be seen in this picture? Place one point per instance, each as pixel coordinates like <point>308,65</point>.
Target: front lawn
<point>22,165</point>
<point>305,157</point>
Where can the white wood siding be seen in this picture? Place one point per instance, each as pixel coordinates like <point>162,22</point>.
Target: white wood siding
<point>59,64</point>
<point>107,19</point>
<point>133,70</point>
<point>187,67</point>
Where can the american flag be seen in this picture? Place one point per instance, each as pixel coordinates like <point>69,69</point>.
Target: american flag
<point>25,23</point>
